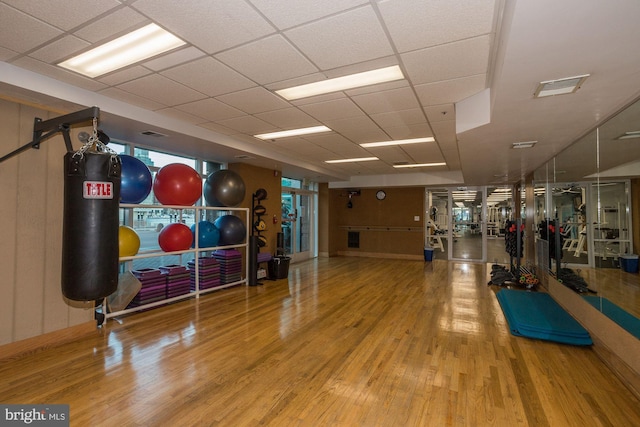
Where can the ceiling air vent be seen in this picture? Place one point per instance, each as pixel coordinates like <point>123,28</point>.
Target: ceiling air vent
<point>152,133</point>
<point>560,86</point>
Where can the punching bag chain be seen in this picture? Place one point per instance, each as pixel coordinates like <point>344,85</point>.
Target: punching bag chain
<point>94,141</point>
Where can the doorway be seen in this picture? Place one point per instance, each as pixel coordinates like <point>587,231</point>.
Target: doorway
<point>468,223</point>
<point>297,224</point>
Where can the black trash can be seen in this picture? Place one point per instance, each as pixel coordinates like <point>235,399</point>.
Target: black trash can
<point>279,267</point>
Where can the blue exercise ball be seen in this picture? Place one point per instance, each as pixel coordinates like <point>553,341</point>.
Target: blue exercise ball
<point>232,230</point>
<point>136,181</point>
<point>224,188</point>
<point>208,234</point>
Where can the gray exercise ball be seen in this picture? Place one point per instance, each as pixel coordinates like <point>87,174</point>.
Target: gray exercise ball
<point>224,188</point>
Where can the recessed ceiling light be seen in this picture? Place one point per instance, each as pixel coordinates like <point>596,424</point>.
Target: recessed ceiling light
<point>397,142</point>
<point>419,165</point>
<point>630,135</point>
<point>559,86</point>
<point>357,159</point>
<point>143,43</point>
<point>526,144</point>
<point>351,81</point>
<point>293,132</point>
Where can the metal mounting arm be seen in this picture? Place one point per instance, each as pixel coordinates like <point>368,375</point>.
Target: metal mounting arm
<point>52,126</point>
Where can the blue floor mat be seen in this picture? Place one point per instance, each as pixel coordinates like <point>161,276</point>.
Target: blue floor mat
<point>626,320</point>
<point>537,315</point>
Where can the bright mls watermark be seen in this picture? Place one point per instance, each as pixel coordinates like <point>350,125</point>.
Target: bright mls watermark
<point>34,415</point>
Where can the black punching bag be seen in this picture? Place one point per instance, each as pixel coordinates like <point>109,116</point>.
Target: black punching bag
<point>90,225</point>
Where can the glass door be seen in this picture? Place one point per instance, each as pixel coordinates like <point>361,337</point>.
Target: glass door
<point>468,227</point>
<point>297,221</point>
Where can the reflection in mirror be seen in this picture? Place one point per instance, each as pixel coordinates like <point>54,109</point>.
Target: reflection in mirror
<point>437,229</point>
<point>590,188</point>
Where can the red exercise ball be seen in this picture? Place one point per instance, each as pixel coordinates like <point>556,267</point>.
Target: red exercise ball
<point>175,237</point>
<point>177,184</point>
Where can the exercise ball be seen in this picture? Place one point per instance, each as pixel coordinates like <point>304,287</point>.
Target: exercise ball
<point>128,241</point>
<point>208,234</point>
<point>136,180</point>
<point>177,184</point>
<point>224,188</point>
<point>232,230</point>
<point>175,237</point>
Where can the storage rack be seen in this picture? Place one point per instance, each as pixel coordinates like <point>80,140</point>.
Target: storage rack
<point>200,213</point>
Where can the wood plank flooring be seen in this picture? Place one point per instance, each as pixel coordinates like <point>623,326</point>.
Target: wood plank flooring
<point>343,342</point>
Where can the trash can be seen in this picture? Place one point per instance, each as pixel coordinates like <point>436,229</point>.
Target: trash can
<point>428,254</point>
<point>629,263</point>
<point>279,267</point>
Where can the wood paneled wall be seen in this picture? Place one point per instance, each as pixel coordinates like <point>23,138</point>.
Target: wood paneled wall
<point>31,208</point>
<point>254,178</point>
<point>397,210</point>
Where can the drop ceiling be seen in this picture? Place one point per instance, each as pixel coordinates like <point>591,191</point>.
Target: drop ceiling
<point>210,96</point>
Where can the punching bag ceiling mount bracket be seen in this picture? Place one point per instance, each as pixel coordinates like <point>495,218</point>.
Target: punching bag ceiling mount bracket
<point>47,128</point>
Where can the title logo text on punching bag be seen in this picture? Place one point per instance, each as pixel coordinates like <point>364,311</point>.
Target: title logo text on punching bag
<point>97,190</point>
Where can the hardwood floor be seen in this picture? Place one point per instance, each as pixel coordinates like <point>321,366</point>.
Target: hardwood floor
<point>343,342</point>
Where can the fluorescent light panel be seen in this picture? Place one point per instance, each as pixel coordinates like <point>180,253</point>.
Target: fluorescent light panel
<point>148,41</point>
<point>397,142</point>
<point>419,165</point>
<point>559,86</point>
<point>351,81</point>
<point>527,144</point>
<point>293,132</point>
<point>357,159</point>
<point>630,135</point>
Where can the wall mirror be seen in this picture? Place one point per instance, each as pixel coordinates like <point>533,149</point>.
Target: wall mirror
<point>586,193</point>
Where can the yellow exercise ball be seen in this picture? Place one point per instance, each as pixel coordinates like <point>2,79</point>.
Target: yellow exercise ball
<point>128,241</point>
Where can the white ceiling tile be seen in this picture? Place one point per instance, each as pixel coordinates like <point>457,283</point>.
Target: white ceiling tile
<point>254,100</point>
<point>59,49</point>
<point>347,38</point>
<point>333,109</point>
<point>390,155</point>
<point>161,89</point>
<point>247,124</point>
<point>450,91</point>
<point>65,14</point>
<point>174,58</point>
<point>278,60</point>
<point>218,128</point>
<point>208,76</point>
<point>210,109</point>
<point>337,144</point>
<point>416,130</point>
<point>306,148</point>
<point>181,115</point>
<point>201,22</point>
<point>286,14</point>
<point>6,54</point>
<point>130,98</point>
<point>424,153</point>
<point>288,118</point>
<point>125,75</point>
<point>358,129</point>
<point>453,60</point>
<point>112,24</point>
<point>398,118</point>
<point>389,100</point>
<point>438,113</point>
<point>416,24</point>
<point>20,32</point>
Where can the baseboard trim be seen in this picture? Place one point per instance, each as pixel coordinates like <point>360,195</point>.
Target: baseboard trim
<point>381,255</point>
<point>49,340</point>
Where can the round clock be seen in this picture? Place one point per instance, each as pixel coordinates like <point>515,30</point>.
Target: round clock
<point>380,195</point>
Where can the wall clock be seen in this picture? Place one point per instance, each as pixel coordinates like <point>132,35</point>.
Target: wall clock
<point>380,195</point>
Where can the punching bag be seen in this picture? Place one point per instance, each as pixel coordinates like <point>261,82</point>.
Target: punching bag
<point>90,226</point>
